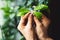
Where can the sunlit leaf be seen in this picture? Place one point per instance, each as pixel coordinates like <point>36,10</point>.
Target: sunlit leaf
<point>23,11</point>
<point>38,14</point>
<point>41,7</point>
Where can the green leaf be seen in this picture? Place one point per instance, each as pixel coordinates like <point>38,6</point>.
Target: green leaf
<point>23,11</point>
<point>6,9</point>
<point>38,14</point>
<point>41,7</point>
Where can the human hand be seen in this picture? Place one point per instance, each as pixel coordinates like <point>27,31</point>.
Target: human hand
<point>26,27</point>
<point>41,27</point>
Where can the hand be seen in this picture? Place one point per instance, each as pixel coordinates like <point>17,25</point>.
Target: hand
<point>41,27</point>
<point>26,27</point>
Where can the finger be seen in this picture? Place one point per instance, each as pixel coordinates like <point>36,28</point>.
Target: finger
<point>39,26</point>
<point>25,16</point>
<point>22,22</point>
<point>29,21</point>
<point>23,19</point>
<point>38,23</point>
<point>45,21</point>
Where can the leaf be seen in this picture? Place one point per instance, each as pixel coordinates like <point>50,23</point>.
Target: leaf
<point>41,1</point>
<point>41,7</point>
<point>23,11</point>
<point>38,14</point>
<point>6,9</point>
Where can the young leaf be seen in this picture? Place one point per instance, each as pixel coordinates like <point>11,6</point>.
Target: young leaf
<point>41,7</point>
<point>38,14</point>
<point>23,11</point>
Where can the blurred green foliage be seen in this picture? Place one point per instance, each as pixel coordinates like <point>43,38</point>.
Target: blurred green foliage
<point>9,28</point>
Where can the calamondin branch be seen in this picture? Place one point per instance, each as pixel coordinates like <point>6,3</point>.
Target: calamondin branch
<point>35,10</point>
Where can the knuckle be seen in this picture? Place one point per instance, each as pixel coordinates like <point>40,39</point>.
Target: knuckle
<point>29,27</point>
<point>20,28</point>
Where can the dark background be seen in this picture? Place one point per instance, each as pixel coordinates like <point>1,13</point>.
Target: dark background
<point>54,30</point>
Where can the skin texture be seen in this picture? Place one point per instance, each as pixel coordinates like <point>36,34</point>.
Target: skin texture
<point>28,30</point>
